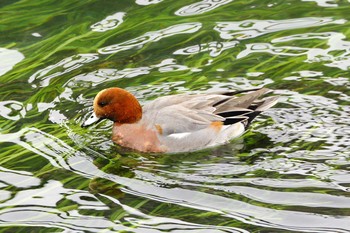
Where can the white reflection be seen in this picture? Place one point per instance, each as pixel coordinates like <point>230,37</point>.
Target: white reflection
<point>254,74</point>
<point>147,2</point>
<point>12,110</point>
<point>214,48</point>
<point>201,7</point>
<point>36,34</point>
<point>305,36</point>
<point>185,176</point>
<point>314,119</point>
<point>20,179</point>
<point>38,207</point>
<point>144,91</point>
<point>268,48</point>
<point>309,73</point>
<point>41,143</point>
<point>105,75</point>
<point>86,201</point>
<point>109,23</point>
<point>247,29</point>
<point>55,116</point>
<point>45,106</point>
<point>169,65</point>
<point>9,58</point>
<point>102,75</point>
<point>196,177</point>
<point>324,3</point>
<point>336,55</point>
<point>4,195</point>
<point>64,66</point>
<point>153,36</point>
<point>239,83</point>
<point>47,196</point>
<point>341,81</point>
<point>288,198</point>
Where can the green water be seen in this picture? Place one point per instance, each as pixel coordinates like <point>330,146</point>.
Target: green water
<point>289,173</point>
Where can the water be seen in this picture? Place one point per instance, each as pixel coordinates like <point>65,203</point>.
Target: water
<point>288,173</point>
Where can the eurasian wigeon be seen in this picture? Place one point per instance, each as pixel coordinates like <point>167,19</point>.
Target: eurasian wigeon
<point>178,123</point>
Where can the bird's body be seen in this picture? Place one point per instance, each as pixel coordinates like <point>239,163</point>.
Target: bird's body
<point>179,123</point>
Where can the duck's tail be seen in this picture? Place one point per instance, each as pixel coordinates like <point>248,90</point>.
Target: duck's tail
<point>244,108</point>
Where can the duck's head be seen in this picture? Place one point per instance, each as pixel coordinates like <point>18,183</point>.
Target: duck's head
<point>117,105</point>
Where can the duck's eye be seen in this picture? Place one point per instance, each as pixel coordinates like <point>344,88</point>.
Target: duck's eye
<point>102,104</point>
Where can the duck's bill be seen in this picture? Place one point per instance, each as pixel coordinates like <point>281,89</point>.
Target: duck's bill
<point>93,119</point>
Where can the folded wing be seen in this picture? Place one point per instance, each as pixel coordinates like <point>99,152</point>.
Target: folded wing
<point>189,113</point>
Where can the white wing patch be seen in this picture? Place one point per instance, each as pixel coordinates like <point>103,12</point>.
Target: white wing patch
<point>179,135</point>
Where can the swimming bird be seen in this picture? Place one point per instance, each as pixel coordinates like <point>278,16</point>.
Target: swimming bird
<point>178,123</point>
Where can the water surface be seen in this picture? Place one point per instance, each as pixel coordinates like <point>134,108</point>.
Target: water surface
<point>288,173</point>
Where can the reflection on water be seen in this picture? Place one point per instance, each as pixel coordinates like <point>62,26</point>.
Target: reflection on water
<point>215,48</point>
<point>12,110</point>
<point>109,23</point>
<point>201,7</point>
<point>64,66</point>
<point>253,28</point>
<point>289,172</point>
<point>9,58</point>
<point>336,45</point>
<point>154,36</point>
<point>147,2</point>
<point>268,48</point>
<point>324,3</point>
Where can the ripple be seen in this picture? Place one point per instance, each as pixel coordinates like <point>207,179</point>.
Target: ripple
<point>37,207</point>
<point>4,195</point>
<point>251,83</point>
<point>324,3</point>
<point>185,178</point>
<point>290,220</point>
<point>62,67</point>
<point>304,75</point>
<point>316,121</point>
<point>248,29</point>
<point>40,143</point>
<point>18,179</point>
<point>340,81</point>
<point>147,2</point>
<point>336,55</point>
<point>201,7</point>
<point>109,23</point>
<point>335,41</point>
<point>219,169</point>
<point>153,36</point>
<point>309,73</point>
<point>32,197</point>
<point>12,110</point>
<point>268,48</point>
<point>288,198</point>
<point>101,76</point>
<point>289,172</point>
<point>306,36</point>
<point>226,207</point>
<point>9,58</point>
<point>214,48</point>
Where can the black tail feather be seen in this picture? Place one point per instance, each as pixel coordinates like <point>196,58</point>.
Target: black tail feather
<point>234,120</point>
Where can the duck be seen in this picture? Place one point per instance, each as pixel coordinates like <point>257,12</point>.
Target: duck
<point>178,123</point>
